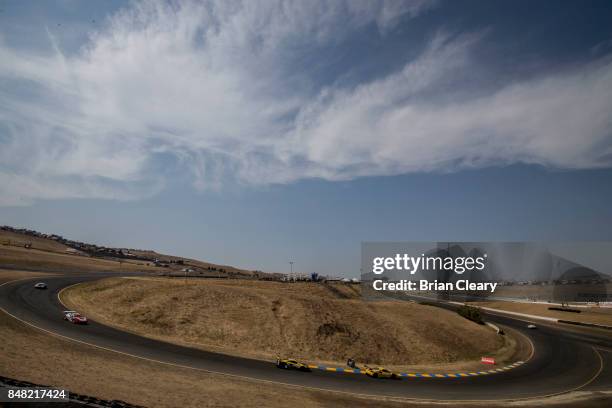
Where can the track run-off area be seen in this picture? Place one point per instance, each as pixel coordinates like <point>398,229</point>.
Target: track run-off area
<point>564,359</point>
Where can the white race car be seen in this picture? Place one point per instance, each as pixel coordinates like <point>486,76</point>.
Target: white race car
<point>532,326</point>
<point>74,317</point>
<point>41,285</point>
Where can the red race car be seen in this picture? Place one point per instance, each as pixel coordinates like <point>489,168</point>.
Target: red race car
<point>74,317</point>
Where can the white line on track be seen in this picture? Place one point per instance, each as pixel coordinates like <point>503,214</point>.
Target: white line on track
<point>305,387</point>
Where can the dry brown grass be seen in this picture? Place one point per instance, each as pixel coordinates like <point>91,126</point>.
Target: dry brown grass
<point>597,315</point>
<point>34,259</point>
<point>314,322</point>
<point>31,355</point>
<point>8,238</point>
<point>34,356</point>
<point>194,263</point>
<point>41,257</point>
<point>9,275</point>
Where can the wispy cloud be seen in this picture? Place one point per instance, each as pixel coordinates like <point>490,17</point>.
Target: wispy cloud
<point>224,89</point>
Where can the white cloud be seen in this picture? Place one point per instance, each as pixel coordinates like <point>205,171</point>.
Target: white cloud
<point>224,88</point>
<point>394,126</point>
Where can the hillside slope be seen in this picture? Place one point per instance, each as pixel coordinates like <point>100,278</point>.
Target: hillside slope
<point>316,322</point>
<point>33,250</point>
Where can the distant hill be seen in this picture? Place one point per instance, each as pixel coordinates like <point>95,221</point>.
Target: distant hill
<point>44,249</point>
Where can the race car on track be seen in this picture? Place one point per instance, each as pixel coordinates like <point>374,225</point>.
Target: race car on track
<point>532,326</point>
<point>74,317</point>
<point>40,285</point>
<point>288,363</point>
<point>379,372</point>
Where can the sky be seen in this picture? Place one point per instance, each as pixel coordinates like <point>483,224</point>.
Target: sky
<point>261,132</point>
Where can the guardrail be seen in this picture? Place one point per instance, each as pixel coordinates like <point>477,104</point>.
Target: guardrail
<point>599,326</point>
<point>536,317</point>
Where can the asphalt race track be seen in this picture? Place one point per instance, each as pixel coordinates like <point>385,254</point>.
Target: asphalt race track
<point>563,360</point>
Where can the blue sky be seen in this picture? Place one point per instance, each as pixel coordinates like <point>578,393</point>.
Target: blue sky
<point>254,134</point>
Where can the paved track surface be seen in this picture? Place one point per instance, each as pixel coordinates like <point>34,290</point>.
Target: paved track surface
<point>563,360</point>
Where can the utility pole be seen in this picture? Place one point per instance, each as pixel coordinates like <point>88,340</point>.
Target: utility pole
<point>291,274</point>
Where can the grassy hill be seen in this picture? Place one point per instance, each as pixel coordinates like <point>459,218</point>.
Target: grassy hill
<point>15,239</point>
<point>31,250</point>
<point>315,322</point>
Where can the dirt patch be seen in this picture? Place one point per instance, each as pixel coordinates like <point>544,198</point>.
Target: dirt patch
<point>304,320</point>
